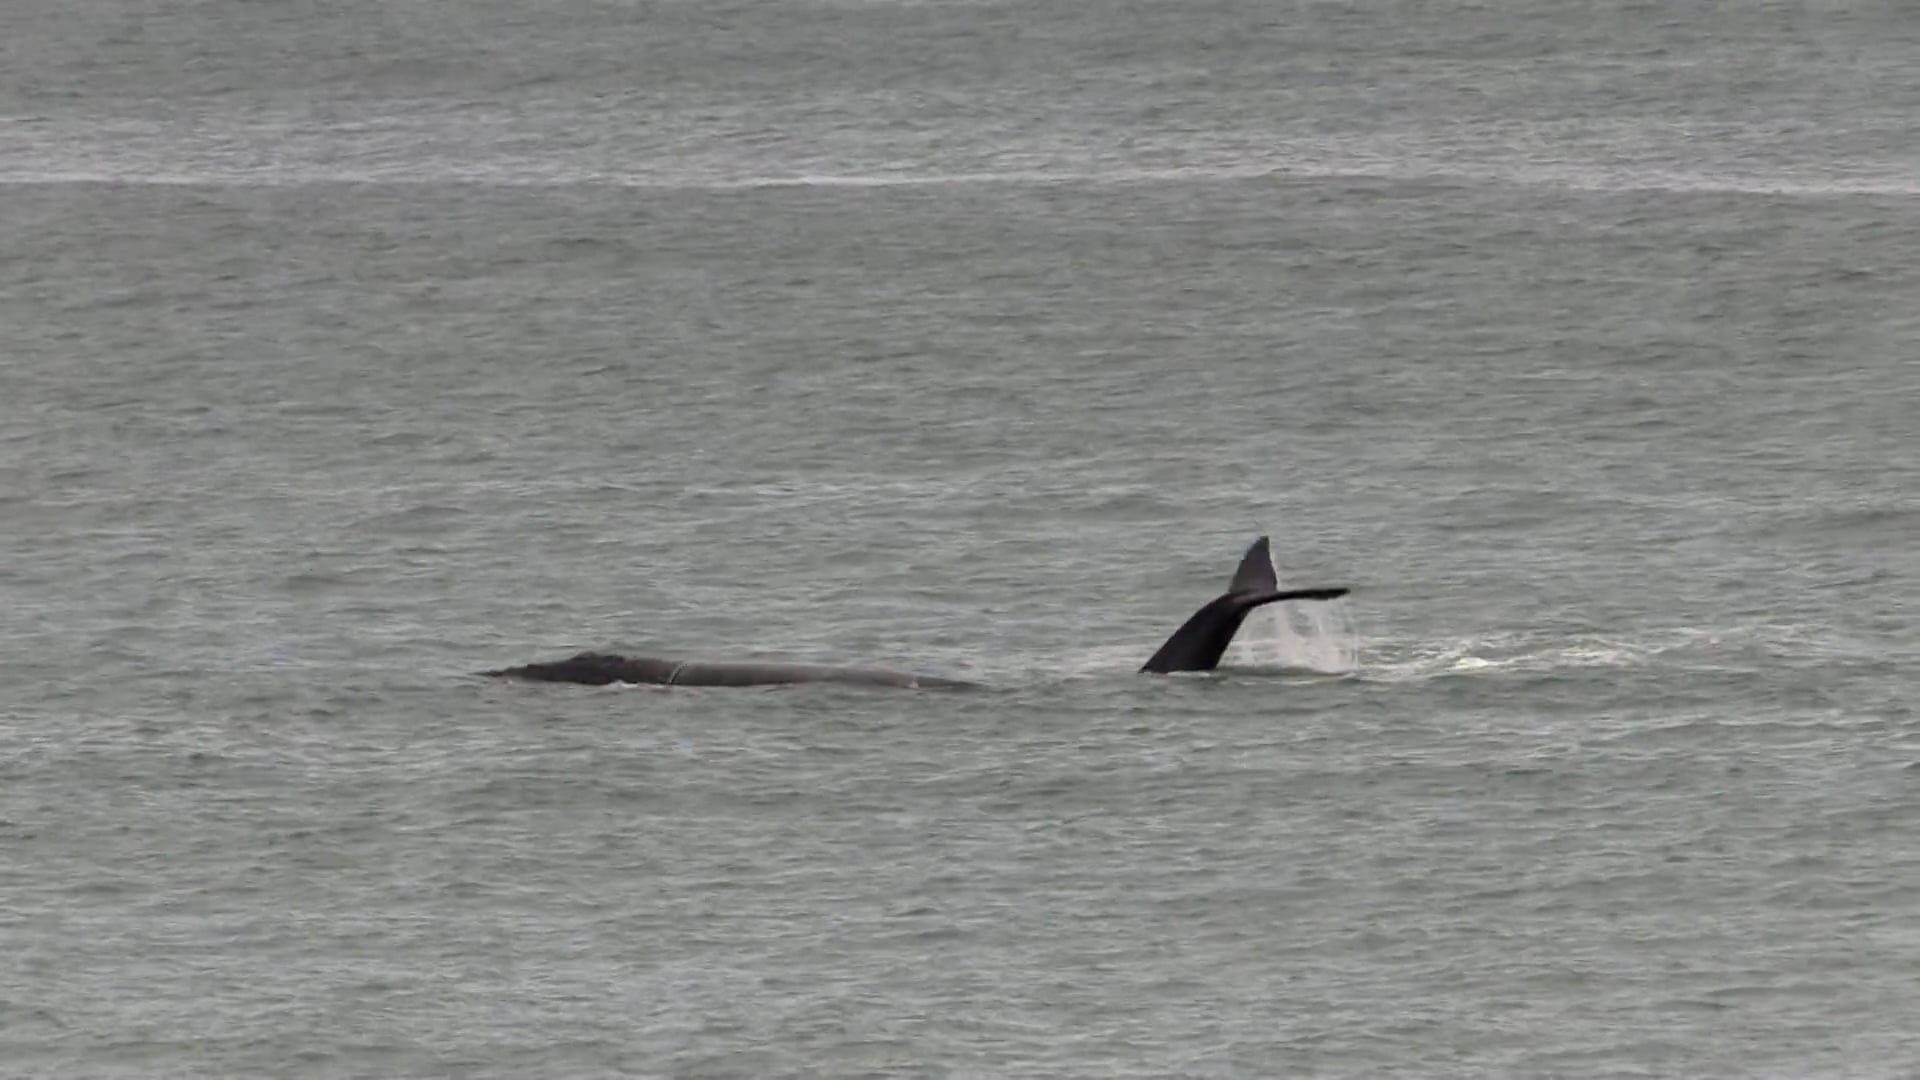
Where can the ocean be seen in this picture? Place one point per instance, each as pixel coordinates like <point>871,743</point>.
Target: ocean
<point>353,348</point>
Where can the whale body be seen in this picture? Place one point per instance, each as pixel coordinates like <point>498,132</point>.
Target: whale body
<point>600,669</point>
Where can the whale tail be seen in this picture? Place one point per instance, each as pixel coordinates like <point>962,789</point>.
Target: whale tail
<point>1204,637</point>
<point>1255,572</point>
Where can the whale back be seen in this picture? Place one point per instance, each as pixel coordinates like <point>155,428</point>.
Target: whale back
<point>593,669</point>
<point>602,669</point>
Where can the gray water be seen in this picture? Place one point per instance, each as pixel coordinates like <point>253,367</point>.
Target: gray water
<point>351,348</point>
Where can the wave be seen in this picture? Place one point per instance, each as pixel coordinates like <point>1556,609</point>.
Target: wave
<point>1571,179</point>
<point>1576,177</point>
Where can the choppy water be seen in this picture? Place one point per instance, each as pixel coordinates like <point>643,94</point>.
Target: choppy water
<point>352,348</point>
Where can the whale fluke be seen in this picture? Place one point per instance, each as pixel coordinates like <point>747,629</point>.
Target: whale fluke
<point>1255,572</point>
<point>1204,637</point>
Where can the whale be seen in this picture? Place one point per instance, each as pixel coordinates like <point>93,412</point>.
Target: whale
<point>1197,645</point>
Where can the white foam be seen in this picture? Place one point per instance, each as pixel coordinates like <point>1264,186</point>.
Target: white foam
<point>1533,653</point>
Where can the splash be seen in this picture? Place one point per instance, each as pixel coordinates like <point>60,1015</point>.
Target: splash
<point>1307,636</point>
